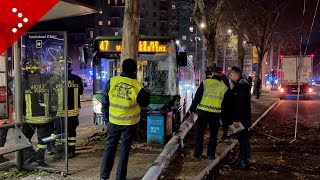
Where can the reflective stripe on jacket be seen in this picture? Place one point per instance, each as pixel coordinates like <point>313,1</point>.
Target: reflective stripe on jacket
<point>37,113</point>
<point>123,108</point>
<point>71,112</point>
<point>213,94</point>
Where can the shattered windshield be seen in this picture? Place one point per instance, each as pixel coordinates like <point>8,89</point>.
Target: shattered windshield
<point>158,72</point>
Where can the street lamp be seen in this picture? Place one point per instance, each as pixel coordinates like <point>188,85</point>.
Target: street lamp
<point>177,42</point>
<point>202,26</point>
<point>225,50</point>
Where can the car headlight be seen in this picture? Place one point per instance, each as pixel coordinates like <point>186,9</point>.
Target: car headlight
<point>96,106</point>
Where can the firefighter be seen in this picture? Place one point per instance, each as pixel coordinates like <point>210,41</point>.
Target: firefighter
<point>121,103</point>
<point>38,109</point>
<point>75,89</point>
<point>208,101</point>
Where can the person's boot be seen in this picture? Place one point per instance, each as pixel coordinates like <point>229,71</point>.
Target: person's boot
<point>29,156</point>
<point>71,151</point>
<point>40,157</point>
<point>52,149</point>
<point>3,159</point>
<point>240,164</point>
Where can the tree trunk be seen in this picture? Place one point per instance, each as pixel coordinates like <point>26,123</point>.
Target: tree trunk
<point>130,36</point>
<point>210,45</point>
<point>240,48</point>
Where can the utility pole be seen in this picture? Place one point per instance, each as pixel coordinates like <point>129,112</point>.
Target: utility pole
<point>224,56</point>
<point>130,36</point>
<point>271,54</point>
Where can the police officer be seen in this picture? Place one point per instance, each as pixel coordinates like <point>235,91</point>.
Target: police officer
<point>208,100</point>
<point>121,103</point>
<point>38,111</point>
<point>75,89</point>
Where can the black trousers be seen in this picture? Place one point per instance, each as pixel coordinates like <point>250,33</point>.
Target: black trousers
<point>43,130</point>
<point>245,147</point>
<point>3,136</point>
<point>258,92</point>
<point>73,123</point>
<point>205,118</point>
<point>114,133</point>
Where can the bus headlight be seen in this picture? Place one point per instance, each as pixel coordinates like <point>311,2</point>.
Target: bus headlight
<point>282,90</point>
<point>310,90</point>
<point>96,106</point>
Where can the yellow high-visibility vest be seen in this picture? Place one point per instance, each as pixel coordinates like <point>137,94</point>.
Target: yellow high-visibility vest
<point>213,94</point>
<point>123,108</point>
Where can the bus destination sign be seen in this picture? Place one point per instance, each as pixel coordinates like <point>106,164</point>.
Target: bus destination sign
<point>143,46</point>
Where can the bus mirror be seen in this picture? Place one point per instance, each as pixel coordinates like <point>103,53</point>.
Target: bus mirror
<point>182,59</point>
<point>85,54</point>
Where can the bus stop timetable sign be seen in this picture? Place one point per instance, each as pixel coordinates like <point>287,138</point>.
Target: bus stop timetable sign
<point>18,16</point>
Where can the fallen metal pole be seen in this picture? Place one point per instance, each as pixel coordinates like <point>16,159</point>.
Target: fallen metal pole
<point>170,148</point>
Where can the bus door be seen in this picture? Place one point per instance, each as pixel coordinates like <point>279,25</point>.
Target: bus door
<point>141,71</point>
<point>104,68</point>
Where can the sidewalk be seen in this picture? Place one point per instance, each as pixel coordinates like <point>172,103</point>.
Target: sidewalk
<point>182,165</point>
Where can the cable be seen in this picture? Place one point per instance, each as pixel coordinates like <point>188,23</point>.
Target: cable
<point>314,16</point>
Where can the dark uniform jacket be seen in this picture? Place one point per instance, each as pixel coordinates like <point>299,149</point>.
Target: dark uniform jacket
<point>240,104</point>
<point>37,87</point>
<point>74,81</point>
<point>143,98</point>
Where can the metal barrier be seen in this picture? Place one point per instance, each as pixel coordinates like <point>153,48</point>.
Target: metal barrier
<point>169,149</point>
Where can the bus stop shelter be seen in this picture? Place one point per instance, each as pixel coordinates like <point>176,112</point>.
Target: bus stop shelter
<point>11,104</point>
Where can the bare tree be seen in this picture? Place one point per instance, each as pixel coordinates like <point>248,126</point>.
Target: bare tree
<point>235,15</point>
<point>260,25</point>
<point>208,12</point>
<point>130,36</point>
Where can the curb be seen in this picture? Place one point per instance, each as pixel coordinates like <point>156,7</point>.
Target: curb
<point>219,158</point>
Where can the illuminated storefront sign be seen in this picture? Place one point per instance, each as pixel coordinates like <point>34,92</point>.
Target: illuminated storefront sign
<point>143,46</point>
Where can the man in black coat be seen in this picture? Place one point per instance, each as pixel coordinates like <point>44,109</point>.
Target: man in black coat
<point>258,86</point>
<point>240,106</point>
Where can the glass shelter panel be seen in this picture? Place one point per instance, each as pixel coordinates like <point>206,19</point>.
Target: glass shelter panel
<point>43,88</point>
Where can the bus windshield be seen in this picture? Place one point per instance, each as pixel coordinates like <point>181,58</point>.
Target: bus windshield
<point>158,73</point>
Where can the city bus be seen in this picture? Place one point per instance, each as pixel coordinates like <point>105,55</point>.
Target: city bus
<point>162,66</point>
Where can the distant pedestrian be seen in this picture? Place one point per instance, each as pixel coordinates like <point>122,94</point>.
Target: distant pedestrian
<point>208,101</point>
<point>250,83</point>
<point>121,103</point>
<point>241,113</point>
<point>258,87</point>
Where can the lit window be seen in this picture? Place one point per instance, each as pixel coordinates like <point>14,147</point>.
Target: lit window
<point>108,1</point>
<point>116,33</point>
<point>91,34</point>
<point>184,37</point>
<point>100,23</point>
<point>173,6</point>
<point>109,22</point>
<point>191,29</point>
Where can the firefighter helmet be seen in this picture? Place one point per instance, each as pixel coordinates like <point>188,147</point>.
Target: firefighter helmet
<point>31,65</point>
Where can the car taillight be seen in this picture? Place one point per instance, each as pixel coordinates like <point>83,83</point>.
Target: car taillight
<point>282,90</point>
<point>310,90</point>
